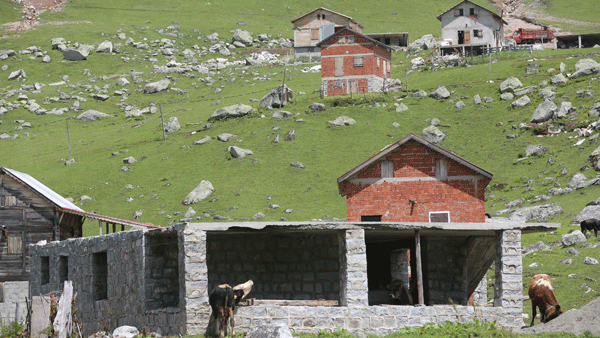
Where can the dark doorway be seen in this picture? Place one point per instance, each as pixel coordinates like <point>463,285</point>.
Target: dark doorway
<point>461,37</point>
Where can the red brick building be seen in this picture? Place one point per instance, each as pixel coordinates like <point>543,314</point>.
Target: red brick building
<point>414,180</point>
<point>352,62</point>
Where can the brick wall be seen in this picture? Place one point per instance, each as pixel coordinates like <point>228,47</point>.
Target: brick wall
<point>462,194</point>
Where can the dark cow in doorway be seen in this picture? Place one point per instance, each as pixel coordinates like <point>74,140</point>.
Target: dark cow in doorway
<point>399,294</point>
<point>223,300</point>
<point>591,224</point>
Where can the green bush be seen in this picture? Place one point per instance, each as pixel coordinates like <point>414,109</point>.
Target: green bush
<point>12,330</point>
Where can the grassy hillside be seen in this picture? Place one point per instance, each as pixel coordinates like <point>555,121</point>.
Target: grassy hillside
<point>167,171</point>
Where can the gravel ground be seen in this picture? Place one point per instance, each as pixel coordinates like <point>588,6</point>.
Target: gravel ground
<point>574,321</point>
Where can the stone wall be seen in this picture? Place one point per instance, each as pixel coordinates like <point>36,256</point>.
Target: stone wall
<point>108,274</point>
<point>446,270</point>
<point>12,302</point>
<point>282,266</point>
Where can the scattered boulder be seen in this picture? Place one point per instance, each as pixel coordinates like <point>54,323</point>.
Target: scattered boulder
<point>590,211</point>
<point>544,112</point>
<point>525,90</point>
<point>105,47</point>
<point>137,214</point>
<point>92,115</point>
<point>125,331</point>
<point>433,134</point>
<point>317,107</point>
<point>158,86</point>
<point>574,238</point>
<point>565,108</point>
<point>129,160</point>
<point>173,125</point>
<point>507,96</point>
<point>395,85</point>
<point>477,99</point>
<point>585,67</point>
<point>71,54</point>
<point>536,212</point>
<point>342,121</point>
<point>420,93</point>
<point>576,179</point>
<point>426,42</point>
<point>297,165</point>
<point>230,112</point>
<point>281,114</point>
<point>224,137</point>
<point>459,105</point>
<point>535,150</point>
<point>242,36</point>
<point>202,191</point>
<point>277,98</point>
<point>521,102</point>
<point>510,84</point>
<point>237,152</point>
<point>537,247</point>
<point>203,140</point>
<point>59,43</point>
<point>17,74</point>
<point>190,213</point>
<point>558,79</point>
<point>590,261</point>
<point>258,216</point>
<point>401,107</point>
<point>440,93</point>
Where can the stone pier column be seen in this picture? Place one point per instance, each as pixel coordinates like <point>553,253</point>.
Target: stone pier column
<point>197,309</point>
<point>354,287</point>
<point>399,265</point>
<point>508,289</point>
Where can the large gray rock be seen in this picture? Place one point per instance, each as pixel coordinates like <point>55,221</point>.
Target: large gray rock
<point>477,99</point>
<point>79,54</point>
<point>277,98</point>
<point>237,152</point>
<point>574,238</point>
<point>270,331</point>
<point>433,134</point>
<point>521,102</point>
<point>17,74</point>
<point>230,112</point>
<point>510,84</point>
<point>125,332</point>
<point>525,90</point>
<point>105,47</point>
<point>558,79</point>
<point>59,43</point>
<point>536,212</point>
<point>173,125</point>
<point>342,121</point>
<point>225,137</point>
<point>585,67</point>
<point>535,150</point>
<point>317,107</point>
<point>425,42</point>
<point>401,107</point>
<point>591,211</point>
<point>565,108</point>
<point>459,105</point>
<point>202,191</point>
<point>420,93</point>
<point>440,93</point>
<point>92,115</point>
<point>537,247</point>
<point>590,261</point>
<point>281,114</point>
<point>158,86</point>
<point>243,37</point>
<point>544,112</point>
<point>576,179</point>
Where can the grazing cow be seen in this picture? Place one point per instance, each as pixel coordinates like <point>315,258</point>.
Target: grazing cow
<point>399,293</point>
<point>591,224</point>
<point>223,300</point>
<point>542,296</point>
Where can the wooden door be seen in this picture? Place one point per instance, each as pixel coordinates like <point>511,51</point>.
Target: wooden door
<point>467,37</point>
<point>354,86</point>
<point>339,66</point>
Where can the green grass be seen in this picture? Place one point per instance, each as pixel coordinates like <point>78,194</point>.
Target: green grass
<point>9,12</point>
<point>584,12</point>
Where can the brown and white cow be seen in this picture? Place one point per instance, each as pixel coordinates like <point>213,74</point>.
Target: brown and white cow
<point>542,295</point>
<point>223,300</point>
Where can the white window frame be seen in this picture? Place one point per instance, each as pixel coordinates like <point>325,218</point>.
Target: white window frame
<point>359,61</point>
<point>439,212</point>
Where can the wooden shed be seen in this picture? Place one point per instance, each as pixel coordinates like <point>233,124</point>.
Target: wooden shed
<point>30,212</point>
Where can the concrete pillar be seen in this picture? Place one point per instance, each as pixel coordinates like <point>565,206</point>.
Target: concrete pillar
<point>399,265</point>
<point>354,286</point>
<point>579,40</point>
<point>195,291</point>
<point>508,289</point>
<point>480,294</point>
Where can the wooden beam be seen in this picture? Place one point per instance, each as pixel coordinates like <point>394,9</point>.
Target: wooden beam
<point>122,227</point>
<point>107,229</point>
<point>114,227</point>
<point>419,267</point>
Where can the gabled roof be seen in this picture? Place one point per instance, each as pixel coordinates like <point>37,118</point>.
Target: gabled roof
<point>439,17</point>
<point>394,146</point>
<point>330,11</point>
<point>346,29</point>
<point>42,190</point>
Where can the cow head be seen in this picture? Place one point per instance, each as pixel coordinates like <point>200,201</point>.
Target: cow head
<point>241,291</point>
<point>553,312</point>
<point>399,293</point>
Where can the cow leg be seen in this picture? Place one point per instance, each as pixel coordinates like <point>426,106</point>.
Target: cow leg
<point>232,322</point>
<point>533,309</point>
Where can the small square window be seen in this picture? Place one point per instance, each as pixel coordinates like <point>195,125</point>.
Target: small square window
<point>322,16</point>
<point>45,270</point>
<point>370,218</point>
<point>358,61</point>
<point>472,11</point>
<point>439,217</point>
<point>351,39</point>
<point>341,40</point>
<point>461,12</point>
<point>15,245</point>
<point>63,269</point>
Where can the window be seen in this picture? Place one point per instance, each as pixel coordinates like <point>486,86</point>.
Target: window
<point>358,61</point>
<point>341,40</point>
<point>314,34</point>
<point>8,201</point>
<point>350,39</point>
<point>441,168</point>
<point>337,84</point>
<point>63,269</point>
<point>318,16</point>
<point>45,270</point>
<point>387,169</point>
<point>15,246</point>
<point>472,11</point>
<point>322,16</point>
<point>100,276</point>
<point>370,218</point>
<point>458,12</point>
<point>439,217</point>
<point>378,62</point>
<point>478,33</point>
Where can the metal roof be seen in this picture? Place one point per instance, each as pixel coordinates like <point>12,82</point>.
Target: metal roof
<point>329,10</point>
<point>42,190</point>
<point>394,146</point>
<point>109,219</point>
<point>346,29</point>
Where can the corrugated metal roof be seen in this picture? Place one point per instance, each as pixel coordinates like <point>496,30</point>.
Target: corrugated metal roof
<point>330,11</point>
<point>392,147</point>
<point>110,219</point>
<point>41,189</point>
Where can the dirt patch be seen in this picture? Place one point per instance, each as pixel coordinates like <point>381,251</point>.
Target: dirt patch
<point>31,10</point>
<point>573,321</point>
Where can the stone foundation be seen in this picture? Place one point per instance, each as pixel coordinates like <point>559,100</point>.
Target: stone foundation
<point>12,302</point>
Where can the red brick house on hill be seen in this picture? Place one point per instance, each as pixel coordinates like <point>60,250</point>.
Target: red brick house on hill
<point>352,62</point>
<point>414,180</point>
